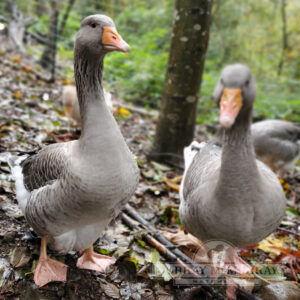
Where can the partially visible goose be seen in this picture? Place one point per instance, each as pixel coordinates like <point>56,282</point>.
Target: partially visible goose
<point>70,100</point>
<point>69,192</point>
<point>277,143</point>
<point>226,194</point>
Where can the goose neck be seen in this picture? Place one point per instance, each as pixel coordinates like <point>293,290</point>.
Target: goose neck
<point>238,158</point>
<point>94,114</point>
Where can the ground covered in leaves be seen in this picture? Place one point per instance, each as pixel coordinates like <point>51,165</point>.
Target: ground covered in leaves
<point>32,115</point>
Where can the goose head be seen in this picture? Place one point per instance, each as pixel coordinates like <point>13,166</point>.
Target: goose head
<point>97,36</point>
<point>234,93</point>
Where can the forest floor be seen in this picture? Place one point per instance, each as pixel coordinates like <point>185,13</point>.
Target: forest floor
<point>32,115</point>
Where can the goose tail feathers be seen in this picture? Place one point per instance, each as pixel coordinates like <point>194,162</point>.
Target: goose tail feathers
<point>22,194</point>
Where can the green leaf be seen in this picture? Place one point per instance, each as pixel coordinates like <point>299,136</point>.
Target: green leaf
<point>142,243</point>
<point>102,251</point>
<point>56,123</point>
<point>160,270</point>
<point>292,210</point>
<point>160,167</point>
<point>137,259</point>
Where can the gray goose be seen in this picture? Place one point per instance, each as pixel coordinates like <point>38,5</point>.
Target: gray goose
<point>226,194</point>
<point>69,192</point>
<point>277,143</point>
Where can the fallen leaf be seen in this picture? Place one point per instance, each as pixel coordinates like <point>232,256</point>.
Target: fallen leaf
<point>17,95</point>
<point>19,257</point>
<point>171,184</point>
<point>16,59</point>
<point>187,240</point>
<point>160,167</point>
<point>268,245</point>
<point>160,270</point>
<point>109,289</point>
<point>66,81</point>
<point>292,211</point>
<point>26,69</point>
<point>149,174</point>
<point>123,111</point>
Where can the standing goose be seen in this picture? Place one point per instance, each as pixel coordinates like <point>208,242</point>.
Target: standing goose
<point>227,194</point>
<point>69,192</point>
<point>277,143</point>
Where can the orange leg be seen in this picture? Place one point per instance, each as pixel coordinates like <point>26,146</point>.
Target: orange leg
<point>94,261</point>
<point>48,269</point>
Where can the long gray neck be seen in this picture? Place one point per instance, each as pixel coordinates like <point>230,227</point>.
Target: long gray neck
<point>96,119</point>
<point>238,158</point>
<point>88,77</point>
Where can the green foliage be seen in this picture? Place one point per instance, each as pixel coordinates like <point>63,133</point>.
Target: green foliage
<point>249,32</point>
<point>147,30</point>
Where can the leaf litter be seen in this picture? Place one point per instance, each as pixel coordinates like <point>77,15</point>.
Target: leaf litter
<point>31,116</point>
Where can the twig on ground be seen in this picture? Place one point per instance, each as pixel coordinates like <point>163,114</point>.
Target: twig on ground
<point>161,238</point>
<point>289,231</point>
<point>139,110</point>
<point>201,271</point>
<point>172,257</point>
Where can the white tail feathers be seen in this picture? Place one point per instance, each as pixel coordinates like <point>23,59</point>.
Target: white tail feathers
<point>22,194</point>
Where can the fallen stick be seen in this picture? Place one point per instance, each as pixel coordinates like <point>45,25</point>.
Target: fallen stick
<point>194,266</point>
<point>172,257</point>
<point>161,238</point>
<point>288,231</point>
<point>139,110</point>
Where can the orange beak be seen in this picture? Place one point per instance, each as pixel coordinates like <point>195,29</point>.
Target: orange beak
<point>230,105</point>
<point>112,41</point>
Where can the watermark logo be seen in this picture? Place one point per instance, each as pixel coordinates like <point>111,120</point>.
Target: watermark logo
<point>207,257</point>
<point>210,265</point>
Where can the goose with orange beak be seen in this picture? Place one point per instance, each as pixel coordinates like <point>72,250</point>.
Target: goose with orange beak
<point>69,192</point>
<point>226,194</point>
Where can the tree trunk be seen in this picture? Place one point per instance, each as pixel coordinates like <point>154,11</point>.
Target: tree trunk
<point>48,58</point>
<point>284,37</point>
<point>176,123</point>
<point>16,26</point>
<point>65,17</point>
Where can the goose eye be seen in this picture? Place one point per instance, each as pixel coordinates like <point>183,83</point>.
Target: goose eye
<point>247,82</point>
<point>93,25</point>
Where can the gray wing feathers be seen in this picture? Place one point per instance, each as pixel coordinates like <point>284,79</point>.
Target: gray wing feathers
<point>277,138</point>
<point>44,167</point>
<point>200,167</point>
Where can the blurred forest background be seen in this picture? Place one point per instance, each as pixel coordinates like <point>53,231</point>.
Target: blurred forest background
<point>263,34</point>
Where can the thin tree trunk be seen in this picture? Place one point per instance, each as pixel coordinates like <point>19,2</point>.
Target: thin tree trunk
<point>48,58</point>
<point>16,26</point>
<point>176,123</point>
<point>284,38</point>
<point>65,17</point>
